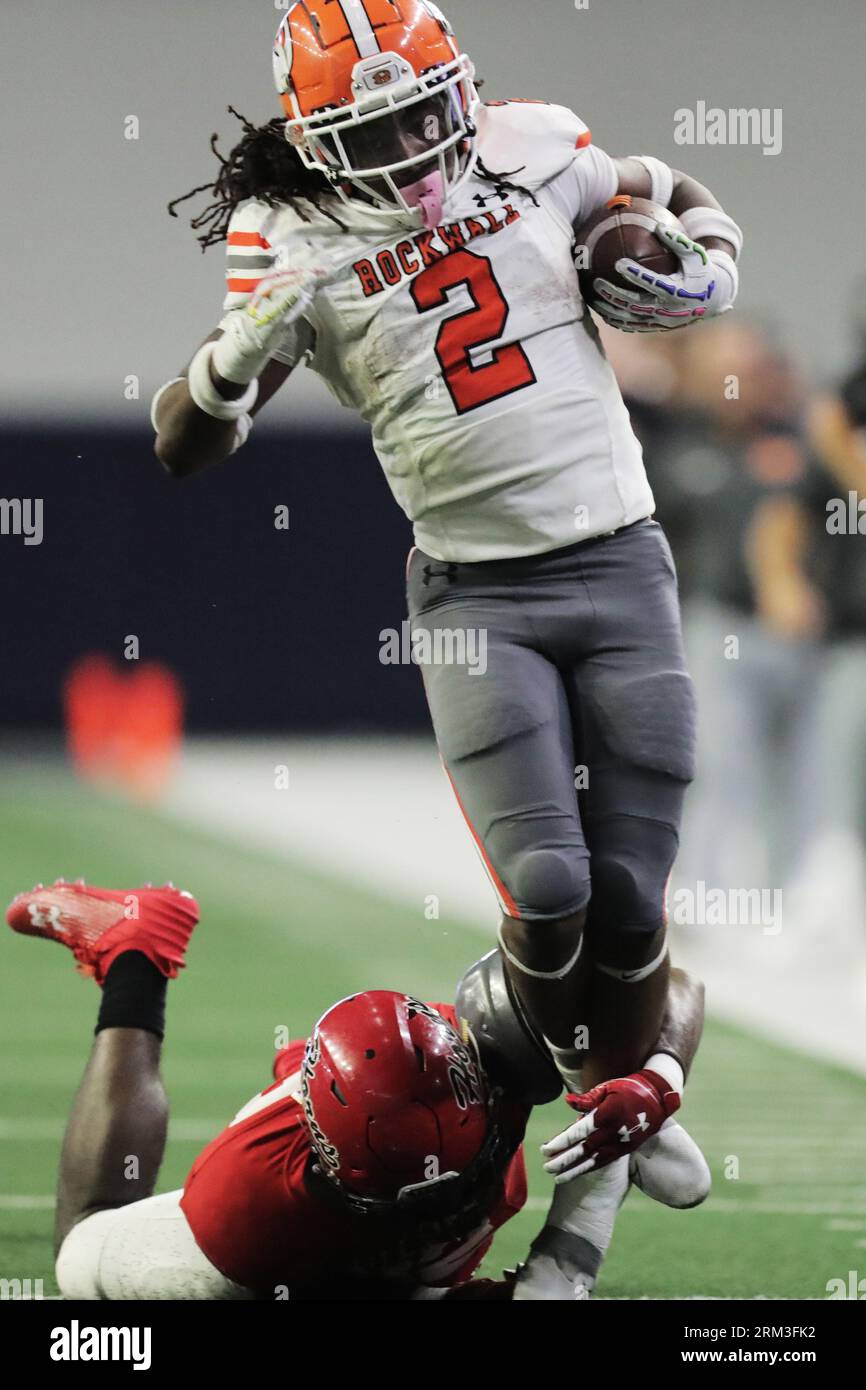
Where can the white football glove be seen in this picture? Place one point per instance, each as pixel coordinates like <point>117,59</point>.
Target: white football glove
<point>253,331</point>
<point>704,286</point>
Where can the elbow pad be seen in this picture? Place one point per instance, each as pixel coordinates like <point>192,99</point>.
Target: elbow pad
<point>661,175</point>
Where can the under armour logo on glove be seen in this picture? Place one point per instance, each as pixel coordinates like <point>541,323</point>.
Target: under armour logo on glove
<point>616,1118</point>
<point>625,1133</point>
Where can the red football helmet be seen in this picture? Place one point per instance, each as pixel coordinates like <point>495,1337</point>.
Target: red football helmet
<point>379,99</point>
<point>396,1104</point>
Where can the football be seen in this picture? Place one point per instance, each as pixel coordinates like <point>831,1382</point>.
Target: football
<point>624,227</point>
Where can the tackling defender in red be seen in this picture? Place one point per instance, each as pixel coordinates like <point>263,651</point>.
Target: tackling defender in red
<point>379,1163</point>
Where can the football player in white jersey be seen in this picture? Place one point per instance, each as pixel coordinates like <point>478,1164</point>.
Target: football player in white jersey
<point>415,247</point>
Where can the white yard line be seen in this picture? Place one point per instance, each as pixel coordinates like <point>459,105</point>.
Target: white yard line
<point>12,1202</point>
<point>36,1129</point>
<point>723,1207</point>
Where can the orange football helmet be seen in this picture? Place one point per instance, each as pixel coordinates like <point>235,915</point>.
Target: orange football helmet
<point>379,100</point>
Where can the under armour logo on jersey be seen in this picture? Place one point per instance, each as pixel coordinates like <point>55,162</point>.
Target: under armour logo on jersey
<point>625,1133</point>
<point>502,190</point>
<point>45,916</point>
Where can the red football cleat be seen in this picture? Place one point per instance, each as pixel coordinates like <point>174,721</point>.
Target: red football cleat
<point>97,924</point>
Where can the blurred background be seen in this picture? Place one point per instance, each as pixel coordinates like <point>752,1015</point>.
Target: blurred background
<point>192,692</point>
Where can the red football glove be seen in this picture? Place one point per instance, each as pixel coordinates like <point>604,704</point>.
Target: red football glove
<point>618,1116</point>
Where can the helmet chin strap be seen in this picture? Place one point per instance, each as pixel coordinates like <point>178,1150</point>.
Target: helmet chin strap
<point>427,194</point>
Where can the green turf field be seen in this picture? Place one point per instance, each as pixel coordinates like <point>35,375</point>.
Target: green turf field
<point>276,945</point>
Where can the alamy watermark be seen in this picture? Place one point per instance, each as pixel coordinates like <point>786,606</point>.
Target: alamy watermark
<point>438,646</point>
<point>21,1289</point>
<point>22,516</point>
<point>712,125</point>
<point>77,1343</point>
<point>846,516</point>
<point>702,906</point>
<point>851,1288</point>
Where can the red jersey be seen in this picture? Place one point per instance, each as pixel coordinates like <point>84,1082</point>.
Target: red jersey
<point>253,1213</point>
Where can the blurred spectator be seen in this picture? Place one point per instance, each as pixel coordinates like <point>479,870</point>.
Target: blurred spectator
<point>723,438</point>
<point>820,531</point>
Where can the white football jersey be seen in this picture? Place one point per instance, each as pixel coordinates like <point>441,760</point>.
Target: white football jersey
<point>468,350</point>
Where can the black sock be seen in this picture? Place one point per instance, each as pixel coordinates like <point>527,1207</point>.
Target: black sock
<point>133,995</point>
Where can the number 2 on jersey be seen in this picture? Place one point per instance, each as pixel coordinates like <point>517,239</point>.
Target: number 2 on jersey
<point>509,369</point>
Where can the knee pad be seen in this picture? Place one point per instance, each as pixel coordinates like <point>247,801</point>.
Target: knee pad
<point>630,870</point>
<point>550,884</point>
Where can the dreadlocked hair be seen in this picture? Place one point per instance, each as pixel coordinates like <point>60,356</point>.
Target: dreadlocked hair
<point>261,165</point>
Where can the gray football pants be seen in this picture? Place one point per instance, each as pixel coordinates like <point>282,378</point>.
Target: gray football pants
<point>568,729</point>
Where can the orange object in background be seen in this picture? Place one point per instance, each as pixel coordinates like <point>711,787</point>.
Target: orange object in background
<point>124,726</point>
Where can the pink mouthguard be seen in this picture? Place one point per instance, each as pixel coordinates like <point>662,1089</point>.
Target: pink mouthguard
<point>428,194</point>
